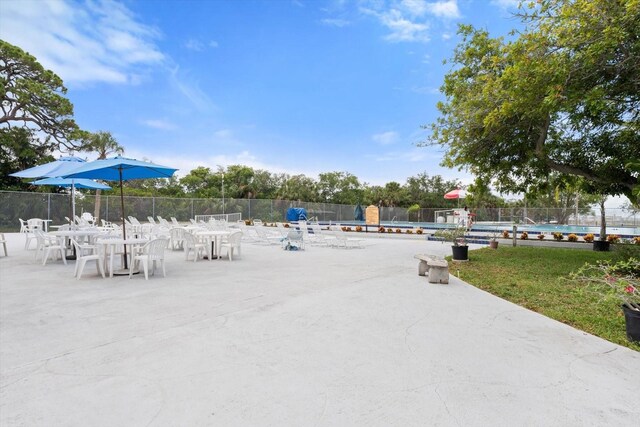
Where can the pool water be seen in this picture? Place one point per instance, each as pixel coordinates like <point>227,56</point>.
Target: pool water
<point>532,228</point>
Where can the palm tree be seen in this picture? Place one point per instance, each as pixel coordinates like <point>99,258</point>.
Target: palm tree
<point>103,143</point>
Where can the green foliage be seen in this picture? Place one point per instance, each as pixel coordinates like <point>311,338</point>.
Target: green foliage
<point>34,96</point>
<point>19,149</point>
<point>535,278</point>
<point>339,187</point>
<point>564,96</point>
<point>454,235</point>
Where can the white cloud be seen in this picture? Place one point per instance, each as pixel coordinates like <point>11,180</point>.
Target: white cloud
<point>159,124</point>
<point>506,4</point>
<point>335,22</point>
<point>98,41</point>
<point>198,45</point>
<point>444,9</point>
<point>402,29</point>
<point>386,138</point>
<point>440,9</point>
<point>414,155</point>
<point>426,90</point>
<point>195,45</point>
<point>446,36</point>
<point>190,89</point>
<point>186,163</point>
<point>223,133</point>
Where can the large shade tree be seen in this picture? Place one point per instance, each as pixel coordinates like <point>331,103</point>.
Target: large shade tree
<point>563,95</point>
<point>33,96</point>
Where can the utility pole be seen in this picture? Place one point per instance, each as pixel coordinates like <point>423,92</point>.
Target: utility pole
<point>222,193</point>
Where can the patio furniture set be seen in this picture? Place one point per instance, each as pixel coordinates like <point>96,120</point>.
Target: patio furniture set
<point>143,248</point>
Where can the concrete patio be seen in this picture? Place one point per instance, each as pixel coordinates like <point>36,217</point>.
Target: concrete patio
<point>321,337</point>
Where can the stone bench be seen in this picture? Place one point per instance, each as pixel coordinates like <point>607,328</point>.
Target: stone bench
<point>438,269</point>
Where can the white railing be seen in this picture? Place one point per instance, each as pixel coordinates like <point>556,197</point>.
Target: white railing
<point>231,217</point>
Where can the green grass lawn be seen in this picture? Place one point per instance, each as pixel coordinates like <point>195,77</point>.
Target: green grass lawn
<point>535,278</point>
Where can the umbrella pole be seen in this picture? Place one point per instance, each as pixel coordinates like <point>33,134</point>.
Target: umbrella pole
<point>124,227</point>
<point>73,201</point>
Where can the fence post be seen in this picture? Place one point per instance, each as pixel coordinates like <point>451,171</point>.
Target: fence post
<point>192,209</point>
<point>515,232</point>
<point>153,207</point>
<point>49,206</point>
<point>107,209</point>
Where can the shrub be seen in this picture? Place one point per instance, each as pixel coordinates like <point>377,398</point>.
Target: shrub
<point>558,236</point>
<point>589,237</point>
<point>286,225</point>
<point>398,230</point>
<point>248,222</point>
<point>541,236</point>
<point>572,237</point>
<point>625,252</point>
<point>358,228</point>
<point>409,231</point>
<point>620,280</point>
<point>613,238</point>
<point>505,234</point>
<point>381,229</point>
<point>419,231</point>
<point>636,240</point>
<point>389,230</point>
<point>524,235</point>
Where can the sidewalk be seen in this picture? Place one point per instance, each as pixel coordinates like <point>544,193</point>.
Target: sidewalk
<point>320,337</point>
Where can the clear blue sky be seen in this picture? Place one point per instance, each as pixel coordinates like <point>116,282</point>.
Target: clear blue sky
<point>296,86</point>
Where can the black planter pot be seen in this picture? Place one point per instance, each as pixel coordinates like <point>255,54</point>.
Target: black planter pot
<point>632,320</point>
<point>460,253</point>
<point>601,246</point>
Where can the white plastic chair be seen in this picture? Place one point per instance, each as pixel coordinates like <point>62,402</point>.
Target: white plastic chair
<point>3,242</point>
<point>48,245</point>
<point>152,252</point>
<point>233,244</point>
<point>88,218</point>
<point>175,222</point>
<point>28,232</point>
<point>293,241</point>
<point>177,238</point>
<point>86,253</point>
<point>23,225</point>
<point>191,244</point>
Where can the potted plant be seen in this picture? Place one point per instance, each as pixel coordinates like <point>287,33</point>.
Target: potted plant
<point>621,281</point>
<point>493,240</point>
<point>456,236</point>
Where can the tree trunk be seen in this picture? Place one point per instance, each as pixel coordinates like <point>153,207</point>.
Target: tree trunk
<point>603,221</point>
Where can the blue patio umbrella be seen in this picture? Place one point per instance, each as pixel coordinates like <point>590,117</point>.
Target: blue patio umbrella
<point>75,182</point>
<point>120,169</point>
<point>55,169</point>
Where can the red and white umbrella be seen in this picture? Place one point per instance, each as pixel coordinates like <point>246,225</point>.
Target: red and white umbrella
<point>456,194</point>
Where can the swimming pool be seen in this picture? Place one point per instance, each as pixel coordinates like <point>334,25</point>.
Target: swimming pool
<point>625,232</point>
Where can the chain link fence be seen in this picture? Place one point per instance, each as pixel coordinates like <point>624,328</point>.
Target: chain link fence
<point>57,206</point>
